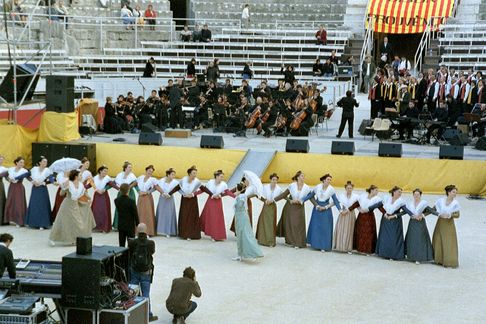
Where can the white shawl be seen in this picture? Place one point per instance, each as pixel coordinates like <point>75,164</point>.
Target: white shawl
<point>323,195</point>
<point>216,189</point>
<point>38,176</point>
<point>187,187</point>
<point>270,194</point>
<point>416,210</point>
<point>364,202</point>
<point>146,186</point>
<point>296,194</point>
<point>12,174</point>
<point>443,208</point>
<point>101,183</point>
<point>390,207</point>
<point>347,202</point>
<point>76,193</point>
<point>167,187</point>
<point>121,178</point>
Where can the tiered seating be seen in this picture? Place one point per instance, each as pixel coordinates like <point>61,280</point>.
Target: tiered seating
<point>265,49</point>
<point>265,13</point>
<point>463,46</point>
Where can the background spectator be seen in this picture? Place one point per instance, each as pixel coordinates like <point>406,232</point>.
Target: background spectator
<point>127,17</point>
<point>196,34</point>
<point>150,16</point>
<point>245,16</point>
<point>186,34</point>
<point>321,36</point>
<point>206,34</point>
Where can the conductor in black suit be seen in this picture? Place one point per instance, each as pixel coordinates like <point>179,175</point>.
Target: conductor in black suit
<point>347,103</point>
<point>127,215</point>
<point>6,256</point>
<point>149,71</point>
<point>386,49</point>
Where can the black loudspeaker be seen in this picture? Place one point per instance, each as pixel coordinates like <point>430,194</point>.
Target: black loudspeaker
<point>25,74</point>
<point>148,128</point>
<point>150,139</point>
<point>481,144</point>
<point>342,147</point>
<point>84,245</point>
<point>60,93</point>
<point>81,150</point>
<point>362,128</point>
<point>450,133</point>
<point>390,149</point>
<point>297,145</point>
<point>41,149</point>
<point>212,141</point>
<point>452,152</point>
<point>459,139</point>
<point>56,151</point>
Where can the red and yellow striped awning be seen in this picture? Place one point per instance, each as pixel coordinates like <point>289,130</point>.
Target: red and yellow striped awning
<point>407,16</point>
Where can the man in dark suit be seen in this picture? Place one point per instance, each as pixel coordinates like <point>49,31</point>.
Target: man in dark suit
<point>347,103</point>
<point>386,49</point>
<point>6,256</point>
<point>149,71</point>
<point>127,215</point>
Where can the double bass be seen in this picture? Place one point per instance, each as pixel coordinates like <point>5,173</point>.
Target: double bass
<point>252,119</point>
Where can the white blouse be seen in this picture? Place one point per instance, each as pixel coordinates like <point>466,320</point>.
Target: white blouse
<point>39,176</point>
<point>12,173</point>
<point>323,194</point>
<point>101,183</point>
<point>146,186</point>
<point>270,194</point>
<point>392,207</point>
<point>187,187</point>
<point>298,194</point>
<point>121,178</point>
<point>348,202</point>
<point>86,175</point>
<point>443,208</point>
<point>365,202</point>
<point>76,193</point>
<point>418,209</point>
<point>167,186</point>
<point>216,189</point>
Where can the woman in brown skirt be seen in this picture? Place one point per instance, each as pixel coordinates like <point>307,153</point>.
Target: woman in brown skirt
<point>189,225</point>
<point>364,239</point>
<point>292,222</point>
<point>343,233</point>
<point>267,222</point>
<point>445,237</point>
<point>145,205</point>
<point>16,203</point>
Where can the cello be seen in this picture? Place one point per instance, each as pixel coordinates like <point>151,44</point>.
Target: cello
<point>252,119</point>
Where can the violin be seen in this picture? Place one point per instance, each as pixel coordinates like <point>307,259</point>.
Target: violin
<point>250,123</point>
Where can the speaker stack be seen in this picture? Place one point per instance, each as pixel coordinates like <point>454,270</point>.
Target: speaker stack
<point>297,146</point>
<point>342,147</point>
<point>212,141</point>
<point>56,151</point>
<point>60,93</point>
<point>149,135</point>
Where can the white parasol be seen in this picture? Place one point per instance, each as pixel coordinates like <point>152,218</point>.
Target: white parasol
<point>64,165</point>
<point>254,181</point>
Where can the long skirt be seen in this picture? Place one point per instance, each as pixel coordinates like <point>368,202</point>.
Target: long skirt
<point>57,204</point>
<point>189,224</point>
<point>72,220</point>
<point>131,194</point>
<point>444,241</point>
<point>343,233</point>
<point>245,240</point>
<point>3,200</point>
<point>166,216</point>
<point>390,242</point>
<point>101,208</point>
<point>146,212</point>
<point>292,225</point>
<point>16,204</point>
<point>250,216</point>
<point>267,225</point>
<point>418,246</point>
<point>364,239</point>
<point>212,219</point>
<point>319,234</point>
<point>39,211</point>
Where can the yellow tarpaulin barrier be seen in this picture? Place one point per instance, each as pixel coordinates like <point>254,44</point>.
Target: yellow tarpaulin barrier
<point>56,127</point>
<point>407,16</point>
<point>164,157</point>
<point>430,175</point>
<point>16,141</point>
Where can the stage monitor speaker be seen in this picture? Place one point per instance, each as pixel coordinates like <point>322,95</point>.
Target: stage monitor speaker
<point>364,124</point>
<point>25,74</point>
<point>150,139</point>
<point>342,147</point>
<point>452,152</point>
<point>450,133</point>
<point>481,144</point>
<point>60,93</point>
<point>297,145</point>
<point>81,150</point>
<point>148,128</point>
<point>390,150</point>
<point>459,139</point>
<point>212,141</point>
<point>84,245</point>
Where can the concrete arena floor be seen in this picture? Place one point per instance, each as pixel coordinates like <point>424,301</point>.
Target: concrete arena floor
<point>307,286</point>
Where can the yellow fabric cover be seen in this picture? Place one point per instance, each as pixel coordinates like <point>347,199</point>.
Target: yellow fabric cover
<point>88,106</point>
<point>58,127</point>
<point>16,141</point>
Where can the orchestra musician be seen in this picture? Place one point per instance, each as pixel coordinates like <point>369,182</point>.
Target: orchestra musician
<point>407,124</point>
<point>439,122</point>
<point>269,117</point>
<point>479,126</point>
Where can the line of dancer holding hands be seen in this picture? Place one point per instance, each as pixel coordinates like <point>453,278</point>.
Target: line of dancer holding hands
<point>80,214</point>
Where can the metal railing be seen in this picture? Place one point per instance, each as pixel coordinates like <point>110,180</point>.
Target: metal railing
<point>367,47</point>
<point>432,29</point>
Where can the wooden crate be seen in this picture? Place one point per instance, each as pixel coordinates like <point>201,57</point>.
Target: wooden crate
<point>178,133</point>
